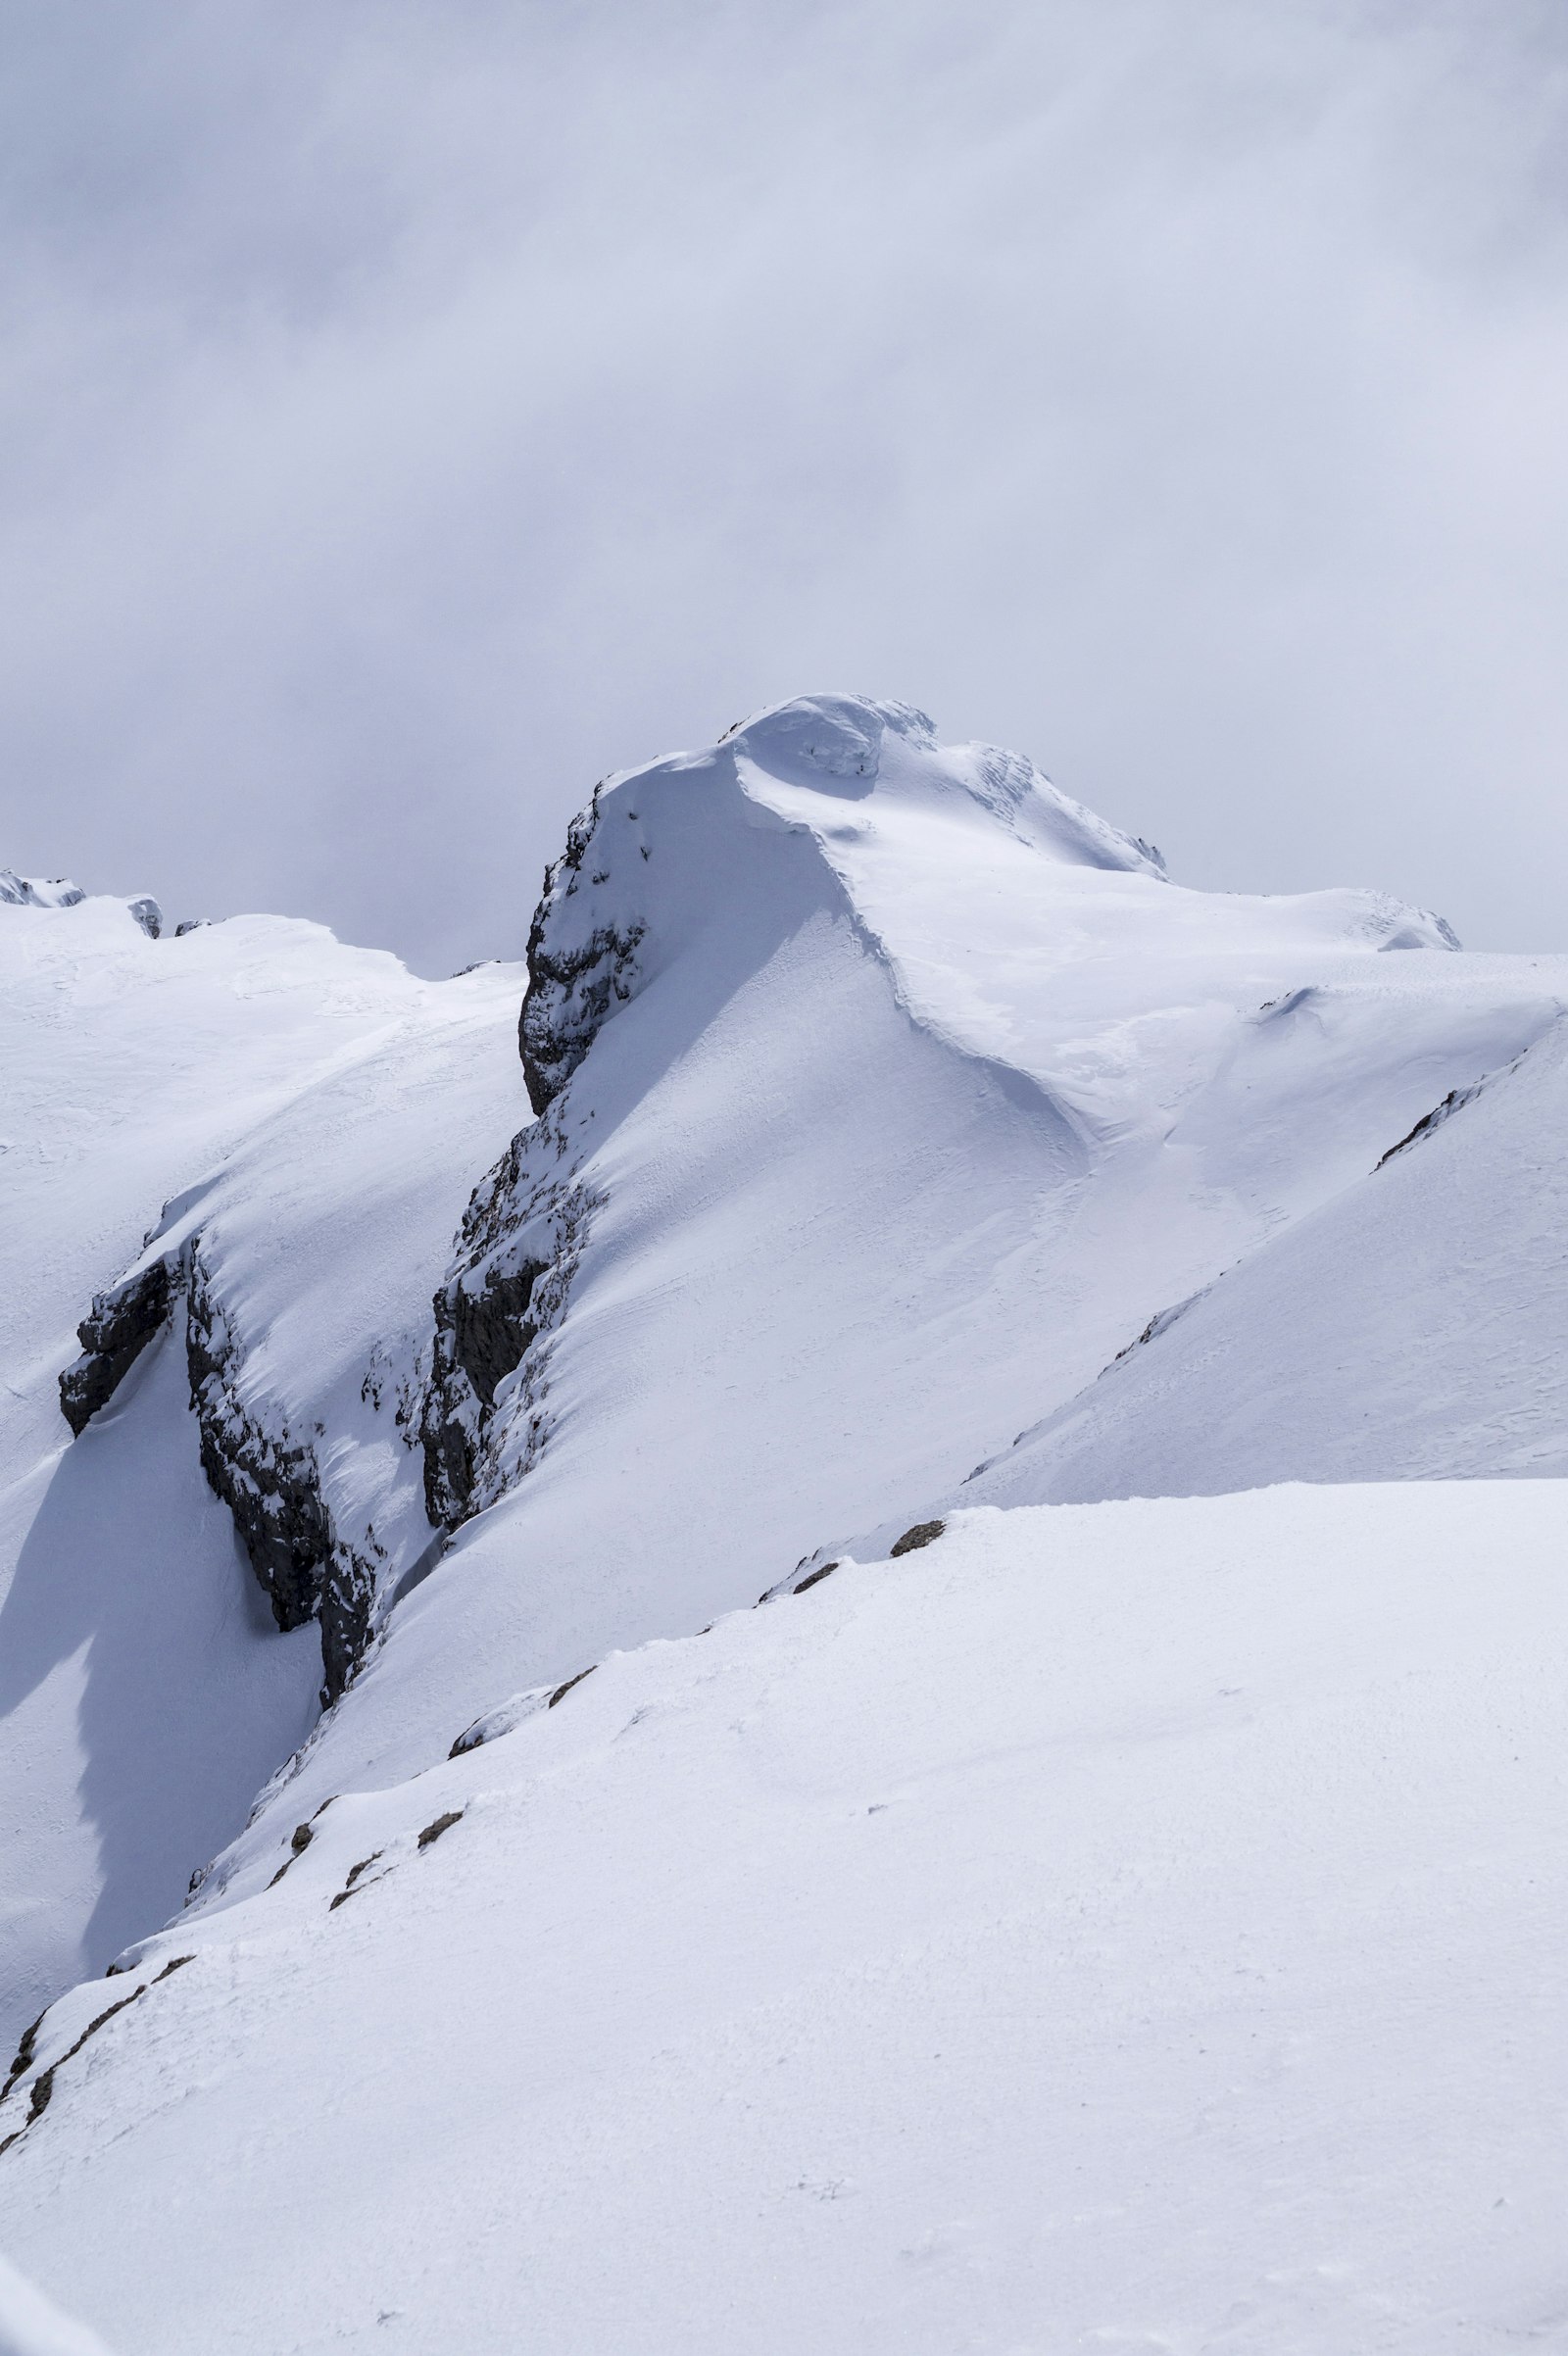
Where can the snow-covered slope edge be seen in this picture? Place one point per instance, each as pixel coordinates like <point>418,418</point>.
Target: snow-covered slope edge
<point>1083,1930</point>
<point>1410,1328</point>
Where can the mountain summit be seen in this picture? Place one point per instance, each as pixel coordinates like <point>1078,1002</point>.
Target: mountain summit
<point>881,1184</point>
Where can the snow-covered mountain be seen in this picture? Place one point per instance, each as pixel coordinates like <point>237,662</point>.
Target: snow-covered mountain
<point>917,1965</point>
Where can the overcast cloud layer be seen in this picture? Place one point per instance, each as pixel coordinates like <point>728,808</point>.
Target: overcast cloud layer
<point>411,413</point>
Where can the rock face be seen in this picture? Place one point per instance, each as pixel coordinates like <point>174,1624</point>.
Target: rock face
<point>113,1334</point>
<point>268,1477</point>
<point>485,1418</point>
<point>578,973</point>
<point>267,1480</point>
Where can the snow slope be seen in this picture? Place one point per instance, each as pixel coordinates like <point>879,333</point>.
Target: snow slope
<point>1115,1927</point>
<point>882,1969</point>
<point>1411,1327</point>
<point>144,1690</point>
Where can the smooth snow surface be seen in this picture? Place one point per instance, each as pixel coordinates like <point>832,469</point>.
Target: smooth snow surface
<point>33,2326</point>
<point>1128,1926</point>
<point>1414,1325</point>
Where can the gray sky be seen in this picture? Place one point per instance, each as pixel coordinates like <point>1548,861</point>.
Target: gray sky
<point>409,412</point>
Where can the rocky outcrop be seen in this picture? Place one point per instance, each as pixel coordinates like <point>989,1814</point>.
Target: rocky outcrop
<point>265,1472</point>
<point>37,891</point>
<point>267,1475</point>
<point>267,1479</point>
<point>485,1418</point>
<point>577,974</point>
<point>113,1335</point>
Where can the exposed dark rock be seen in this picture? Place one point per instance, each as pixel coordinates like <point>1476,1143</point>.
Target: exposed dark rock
<point>352,1884</point>
<point>148,915</point>
<point>1455,1101</point>
<point>93,2027</point>
<point>1160,1323</point>
<point>522,1233</point>
<point>517,1251</point>
<point>267,1480</point>
<point>811,1577</point>
<point>561,1691</point>
<point>442,1824</point>
<point>573,985</point>
<point>490,1324</point>
<point>24,2053</point>
<point>268,1477</point>
<point>117,1329</point>
<point>299,1842</point>
<point>923,1533</point>
<point>42,2091</point>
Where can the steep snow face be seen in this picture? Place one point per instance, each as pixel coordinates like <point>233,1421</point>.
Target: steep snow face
<point>1413,1326</point>
<point>1129,1926</point>
<point>313,1115</point>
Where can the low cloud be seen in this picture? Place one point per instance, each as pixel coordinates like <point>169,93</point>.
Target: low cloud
<point>412,413</point>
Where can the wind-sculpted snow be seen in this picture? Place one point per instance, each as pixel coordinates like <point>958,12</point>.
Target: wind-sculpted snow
<point>877,1103</point>
<point>1412,1328</point>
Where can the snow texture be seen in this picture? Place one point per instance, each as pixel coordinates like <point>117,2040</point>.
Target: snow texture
<point>1123,1926</point>
<point>33,2326</point>
<point>1067,1915</point>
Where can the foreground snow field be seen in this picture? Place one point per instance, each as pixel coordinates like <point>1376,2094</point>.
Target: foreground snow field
<point>1121,1915</point>
<point>1118,1927</point>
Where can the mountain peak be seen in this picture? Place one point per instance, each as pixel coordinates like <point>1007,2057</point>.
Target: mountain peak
<point>37,891</point>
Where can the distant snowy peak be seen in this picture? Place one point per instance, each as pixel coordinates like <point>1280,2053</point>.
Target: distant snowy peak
<point>58,892</point>
<point>37,892</point>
